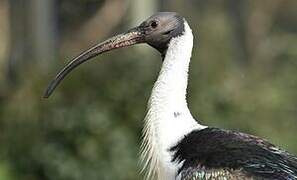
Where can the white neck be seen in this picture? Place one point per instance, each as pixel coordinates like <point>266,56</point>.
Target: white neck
<point>168,118</point>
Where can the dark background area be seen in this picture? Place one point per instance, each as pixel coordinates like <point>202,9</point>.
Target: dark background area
<point>243,76</point>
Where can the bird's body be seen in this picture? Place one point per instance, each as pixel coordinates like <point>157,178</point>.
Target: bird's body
<point>175,146</point>
<point>169,125</point>
<point>211,152</point>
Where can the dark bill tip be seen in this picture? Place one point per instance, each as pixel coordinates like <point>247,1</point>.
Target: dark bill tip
<point>49,89</point>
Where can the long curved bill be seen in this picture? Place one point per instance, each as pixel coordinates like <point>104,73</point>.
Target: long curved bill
<point>133,36</point>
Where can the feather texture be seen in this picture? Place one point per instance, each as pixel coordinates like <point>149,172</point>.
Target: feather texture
<point>211,149</point>
<point>168,118</point>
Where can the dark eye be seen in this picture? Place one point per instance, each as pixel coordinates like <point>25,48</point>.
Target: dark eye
<point>154,24</point>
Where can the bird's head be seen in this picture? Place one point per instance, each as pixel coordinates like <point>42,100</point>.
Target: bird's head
<point>157,31</point>
<point>160,28</point>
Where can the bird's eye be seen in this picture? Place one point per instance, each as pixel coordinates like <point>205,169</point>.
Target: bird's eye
<point>154,24</point>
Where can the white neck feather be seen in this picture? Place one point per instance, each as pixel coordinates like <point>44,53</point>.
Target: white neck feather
<point>168,118</point>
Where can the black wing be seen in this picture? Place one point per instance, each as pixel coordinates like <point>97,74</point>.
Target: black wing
<point>224,154</point>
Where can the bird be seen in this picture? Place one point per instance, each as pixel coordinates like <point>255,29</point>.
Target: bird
<point>175,146</point>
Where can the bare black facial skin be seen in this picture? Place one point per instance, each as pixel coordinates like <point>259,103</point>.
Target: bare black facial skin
<point>161,28</point>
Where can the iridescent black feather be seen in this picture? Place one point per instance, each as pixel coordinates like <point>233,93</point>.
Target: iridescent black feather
<point>214,151</point>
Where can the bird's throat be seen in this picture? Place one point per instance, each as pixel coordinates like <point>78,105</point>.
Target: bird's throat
<point>168,118</point>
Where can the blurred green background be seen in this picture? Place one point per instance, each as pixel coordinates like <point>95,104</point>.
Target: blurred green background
<point>243,76</point>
